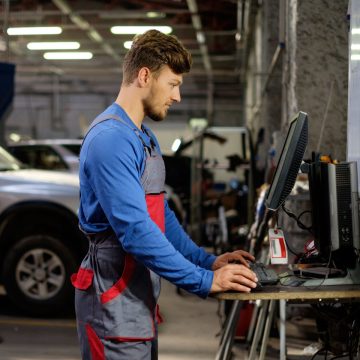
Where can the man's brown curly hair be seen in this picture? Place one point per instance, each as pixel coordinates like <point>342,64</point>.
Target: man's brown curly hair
<point>153,50</point>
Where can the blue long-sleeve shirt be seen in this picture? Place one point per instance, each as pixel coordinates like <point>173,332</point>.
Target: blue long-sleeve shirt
<point>112,161</point>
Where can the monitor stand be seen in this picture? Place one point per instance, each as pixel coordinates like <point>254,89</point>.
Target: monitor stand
<point>352,277</point>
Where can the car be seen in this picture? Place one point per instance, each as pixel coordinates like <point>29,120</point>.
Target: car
<point>63,155</point>
<point>40,242</point>
<point>48,154</point>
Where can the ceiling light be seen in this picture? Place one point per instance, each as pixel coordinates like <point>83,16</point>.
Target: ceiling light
<point>355,46</point>
<point>200,37</point>
<point>355,57</point>
<point>126,30</point>
<point>176,144</point>
<point>75,55</point>
<point>127,44</point>
<point>56,45</point>
<point>45,30</point>
<point>15,137</point>
<point>355,31</point>
<point>198,123</point>
<point>155,15</point>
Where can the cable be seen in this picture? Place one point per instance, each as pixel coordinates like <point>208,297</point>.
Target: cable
<point>319,352</point>
<point>340,356</point>
<point>325,277</point>
<point>297,218</point>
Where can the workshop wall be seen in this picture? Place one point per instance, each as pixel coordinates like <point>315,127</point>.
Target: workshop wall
<point>311,73</point>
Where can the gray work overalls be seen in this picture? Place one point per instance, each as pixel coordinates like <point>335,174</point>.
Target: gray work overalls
<point>115,295</point>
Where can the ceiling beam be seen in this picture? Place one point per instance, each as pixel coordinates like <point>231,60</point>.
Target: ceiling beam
<point>84,25</point>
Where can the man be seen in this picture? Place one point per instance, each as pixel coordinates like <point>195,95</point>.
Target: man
<point>134,237</point>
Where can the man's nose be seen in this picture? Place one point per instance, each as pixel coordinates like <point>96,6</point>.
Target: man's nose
<point>175,96</point>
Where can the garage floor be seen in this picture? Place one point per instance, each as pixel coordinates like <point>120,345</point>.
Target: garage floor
<point>190,331</point>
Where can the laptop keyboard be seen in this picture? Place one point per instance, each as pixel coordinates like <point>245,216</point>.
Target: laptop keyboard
<point>265,275</point>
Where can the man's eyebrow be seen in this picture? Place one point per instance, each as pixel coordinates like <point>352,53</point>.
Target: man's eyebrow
<point>177,81</point>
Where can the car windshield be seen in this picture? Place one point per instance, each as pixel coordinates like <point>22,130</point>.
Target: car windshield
<point>8,162</point>
<point>74,148</point>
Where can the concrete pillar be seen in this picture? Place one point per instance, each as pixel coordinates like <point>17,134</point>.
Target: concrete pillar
<point>315,72</point>
<point>311,73</point>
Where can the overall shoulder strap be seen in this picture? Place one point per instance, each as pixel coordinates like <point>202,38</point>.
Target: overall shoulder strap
<point>104,117</point>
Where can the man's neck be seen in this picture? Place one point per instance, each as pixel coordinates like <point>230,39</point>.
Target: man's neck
<point>129,100</point>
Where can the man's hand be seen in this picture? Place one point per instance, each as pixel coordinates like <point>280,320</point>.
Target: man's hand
<point>233,277</point>
<point>239,256</point>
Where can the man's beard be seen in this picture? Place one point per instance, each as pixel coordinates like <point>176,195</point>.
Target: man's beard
<point>152,113</point>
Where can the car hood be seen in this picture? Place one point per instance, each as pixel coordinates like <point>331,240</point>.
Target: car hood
<point>38,177</point>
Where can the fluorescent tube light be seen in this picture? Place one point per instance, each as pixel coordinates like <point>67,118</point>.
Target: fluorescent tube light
<point>45,30</point>
<point>75,55</point>
<point>56,45</point>
<point>127,44</point>
<point>355,31</point>
<point>15,137</point>
<point>176,144</point>
<point>127,30</point>
<point>355,57</point>
<point>355,46</point>
<point>155,14</point>
<point>198,123</point>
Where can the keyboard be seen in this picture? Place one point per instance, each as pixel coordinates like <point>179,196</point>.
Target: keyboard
<point>265,275</point>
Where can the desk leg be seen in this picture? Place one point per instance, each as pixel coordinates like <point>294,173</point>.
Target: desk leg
<point>269,321</point>
<point>282,329</point>
<point>259,329</point>
<point>252,325</point>
<point>227,338</point>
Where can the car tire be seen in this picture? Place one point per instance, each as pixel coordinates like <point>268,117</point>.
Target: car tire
<point>37,273</point>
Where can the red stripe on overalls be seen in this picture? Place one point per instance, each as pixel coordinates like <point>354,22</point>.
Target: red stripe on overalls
<point>95,344</point>
<point>122,283</point>
<point>156,210</point>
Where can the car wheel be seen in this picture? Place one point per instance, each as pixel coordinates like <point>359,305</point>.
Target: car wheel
<point>37,275</point>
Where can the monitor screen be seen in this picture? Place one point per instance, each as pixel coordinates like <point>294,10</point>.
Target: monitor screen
<point>289,162</point>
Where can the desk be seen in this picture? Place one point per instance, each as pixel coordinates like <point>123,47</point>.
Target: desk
<point>269,295</point>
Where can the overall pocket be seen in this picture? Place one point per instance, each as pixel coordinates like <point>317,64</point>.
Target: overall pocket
<point>122,283</point>
<point>83,279</point>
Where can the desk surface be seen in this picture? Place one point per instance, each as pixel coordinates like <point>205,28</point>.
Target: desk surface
<point>278,292</point>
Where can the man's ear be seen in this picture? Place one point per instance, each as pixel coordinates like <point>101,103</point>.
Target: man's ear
<point>144,77</point>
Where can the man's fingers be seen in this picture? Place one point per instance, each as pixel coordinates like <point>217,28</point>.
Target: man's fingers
<point>237,269</point>
<point>234,277</point>
<point>242,256</point>
<point>244,281</point>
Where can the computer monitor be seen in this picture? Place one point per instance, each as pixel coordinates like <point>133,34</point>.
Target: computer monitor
<point>289,162</point>
<point>285,174</point>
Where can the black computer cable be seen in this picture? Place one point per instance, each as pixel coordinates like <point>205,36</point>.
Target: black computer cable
<point>341,356</point>
<point>320,352</point>
<point>300,224</point>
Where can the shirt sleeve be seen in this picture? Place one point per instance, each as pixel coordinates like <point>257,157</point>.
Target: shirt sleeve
<point>182,242</point>
<point>113,167</point>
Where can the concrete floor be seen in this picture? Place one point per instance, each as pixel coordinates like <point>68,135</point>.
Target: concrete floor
<point>190,332</point>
